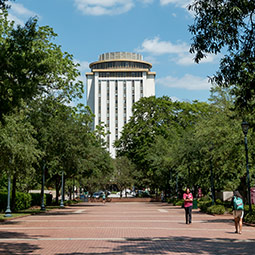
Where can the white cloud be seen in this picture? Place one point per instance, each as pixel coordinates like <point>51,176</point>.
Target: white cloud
<point>147,1</point>
<point>84,65</point>
<point>186,59</point>
<point>174,99</point>
<point>15,19</point>
<point>157,47</point>
<point>179,52</point>
<point>19,14</point>
<point>104,7</point>
<point>19,9</point>
<point>188,81</point>
<point>83,68</point>
<point>180,3</point>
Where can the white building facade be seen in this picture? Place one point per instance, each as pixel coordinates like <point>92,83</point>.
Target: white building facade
<point>116,81</point>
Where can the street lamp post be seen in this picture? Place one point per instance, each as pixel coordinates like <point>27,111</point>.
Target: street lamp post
<point>62,191</point>
<point>8,212</point>
<point>212,182</point>
<point>43,183</point>
<point>211,174</point>
<point>245,127</point>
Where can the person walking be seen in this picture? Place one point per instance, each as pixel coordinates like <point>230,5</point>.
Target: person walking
<point>238,211</point>
<point>188,204</point>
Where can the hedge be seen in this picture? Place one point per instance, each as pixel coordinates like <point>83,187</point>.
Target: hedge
<point>37,200</point>
<point>23,201</point>
<point>216,209</point>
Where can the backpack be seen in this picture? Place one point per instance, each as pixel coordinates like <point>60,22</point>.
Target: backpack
<point>238,203</point>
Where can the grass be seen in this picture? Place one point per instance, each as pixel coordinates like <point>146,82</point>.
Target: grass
<point>26,212</point>
<point>14,215</point>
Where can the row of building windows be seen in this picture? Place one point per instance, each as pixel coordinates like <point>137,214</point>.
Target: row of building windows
<point>120,74</point>
<point>121,64</point>
<point>116,83</point>
<point>116,103</point>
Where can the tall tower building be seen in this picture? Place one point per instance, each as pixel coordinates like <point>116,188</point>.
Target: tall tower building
<point>116,81</point>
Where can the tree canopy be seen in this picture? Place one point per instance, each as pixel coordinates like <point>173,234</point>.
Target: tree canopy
<point>31,65</point>
<point>228,27</point>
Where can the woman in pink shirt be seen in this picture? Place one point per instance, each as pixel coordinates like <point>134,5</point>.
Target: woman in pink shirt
<point>188,204</point>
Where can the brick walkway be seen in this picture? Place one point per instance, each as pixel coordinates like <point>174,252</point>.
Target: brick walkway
<point>124,228</point>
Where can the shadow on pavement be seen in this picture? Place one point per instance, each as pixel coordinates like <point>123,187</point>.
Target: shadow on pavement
<point>229,221</point>
<point>87,205</point>
<point>16,248</point>
<point>174,245</point>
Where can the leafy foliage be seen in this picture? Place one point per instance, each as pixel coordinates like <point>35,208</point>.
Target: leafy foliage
<point>228,26</point>
<point>124,173</point>
<point>31,65</point>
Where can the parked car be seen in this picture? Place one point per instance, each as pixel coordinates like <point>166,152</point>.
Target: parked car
<point>97,194</point>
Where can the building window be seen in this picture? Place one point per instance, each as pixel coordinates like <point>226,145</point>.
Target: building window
<point>99,105</point>
<point>120,74</point>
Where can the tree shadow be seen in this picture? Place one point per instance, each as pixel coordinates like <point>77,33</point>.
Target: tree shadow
<point>228,221</point>
<point>176,245</point>
<point>9,222</point>
<point>85,205</point>
<point>21,247</point>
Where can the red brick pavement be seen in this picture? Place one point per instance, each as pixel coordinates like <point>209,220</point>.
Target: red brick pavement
<point>124,228</point>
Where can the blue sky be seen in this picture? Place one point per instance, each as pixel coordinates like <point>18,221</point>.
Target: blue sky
<point>157,29</point>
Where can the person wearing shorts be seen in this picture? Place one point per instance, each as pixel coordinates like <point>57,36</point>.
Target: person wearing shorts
<point>238,214</point>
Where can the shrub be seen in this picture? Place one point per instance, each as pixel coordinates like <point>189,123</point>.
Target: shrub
<point>3,201</point>
<point>179,202</point>
<point>171,200</point>
<point>218,202</point>
<point>249,217</point>
<point>216,209</point>
<point>36,199</point>
<point>23,201</point>
<point>205,198</point>
<point>203,205</point>
<point>48,199</point>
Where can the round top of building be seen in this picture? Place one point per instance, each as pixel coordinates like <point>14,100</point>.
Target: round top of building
<point>120,60</point>
<point>120,55</point>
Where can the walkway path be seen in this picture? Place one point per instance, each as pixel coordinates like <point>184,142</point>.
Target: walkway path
<point>124,228</point>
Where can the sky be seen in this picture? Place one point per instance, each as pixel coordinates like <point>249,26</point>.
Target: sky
<point>157,29</point>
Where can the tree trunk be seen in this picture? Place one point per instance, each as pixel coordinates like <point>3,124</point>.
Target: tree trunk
<point>13,200</point>
<point>57,189</point>
<point>70,193</point>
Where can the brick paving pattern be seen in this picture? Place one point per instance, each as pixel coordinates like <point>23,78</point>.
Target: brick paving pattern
<point>124,228</point>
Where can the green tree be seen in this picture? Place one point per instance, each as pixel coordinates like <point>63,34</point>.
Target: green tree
<point>153,118</point>
<point>19,152</point>
<point>124,173</point>
<point>3,4</point>
<point>228,27</point>
<point>31,65</point>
